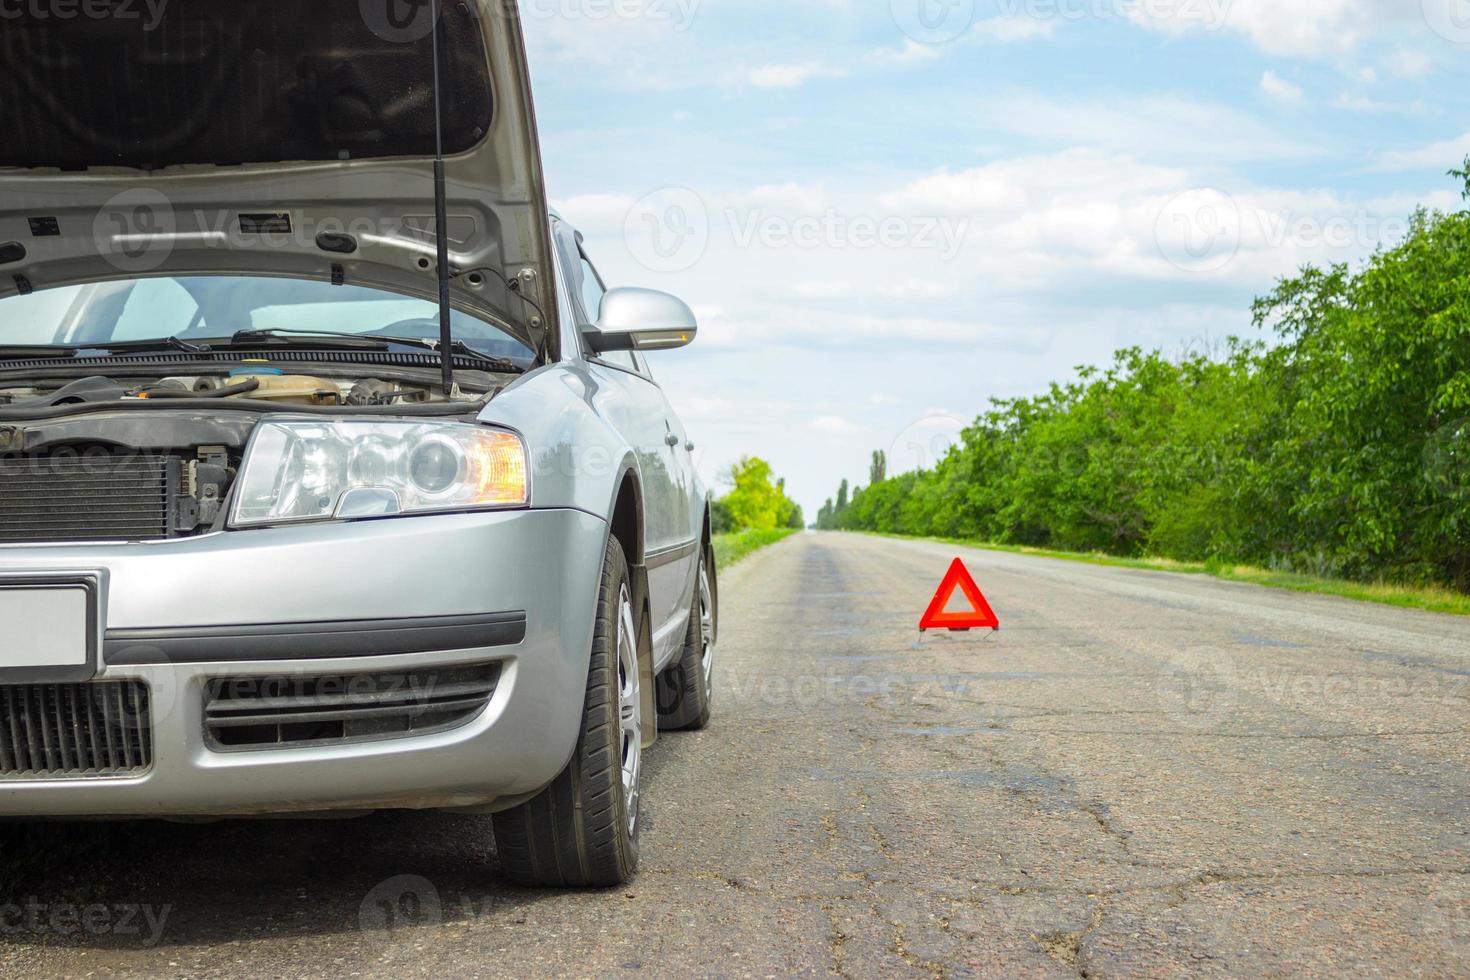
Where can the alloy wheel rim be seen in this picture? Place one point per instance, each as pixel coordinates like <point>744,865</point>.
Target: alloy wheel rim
<point>707,630</point>
<point>630,707</point>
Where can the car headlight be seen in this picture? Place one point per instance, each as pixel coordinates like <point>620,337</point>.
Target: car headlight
<point>313,471</point>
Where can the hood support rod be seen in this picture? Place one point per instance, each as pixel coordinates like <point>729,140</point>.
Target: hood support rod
<point>441,216</point>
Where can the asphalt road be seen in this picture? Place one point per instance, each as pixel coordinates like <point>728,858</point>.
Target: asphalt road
<point>1142,774</point>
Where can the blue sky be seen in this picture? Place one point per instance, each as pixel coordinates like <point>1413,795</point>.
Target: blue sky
<point>887,213</point>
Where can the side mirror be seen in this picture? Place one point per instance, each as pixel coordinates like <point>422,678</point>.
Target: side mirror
<point>642,319</point>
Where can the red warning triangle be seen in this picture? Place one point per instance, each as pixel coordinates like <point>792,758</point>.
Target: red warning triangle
<point>959,579</point>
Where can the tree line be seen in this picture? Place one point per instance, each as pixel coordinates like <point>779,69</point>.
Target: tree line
<point>1341,448</point>
<point>757,501</point>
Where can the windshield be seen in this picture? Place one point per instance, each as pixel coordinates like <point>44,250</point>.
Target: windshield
<point>199,308</point>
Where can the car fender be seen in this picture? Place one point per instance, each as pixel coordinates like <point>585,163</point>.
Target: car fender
<point>578,460</point>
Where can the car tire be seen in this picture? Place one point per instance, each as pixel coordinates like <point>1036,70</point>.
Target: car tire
<point>686,689</point>
<point>582,830</point>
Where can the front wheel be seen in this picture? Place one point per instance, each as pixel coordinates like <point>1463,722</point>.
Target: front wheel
<point>582,830</point>
<point>686,690</point>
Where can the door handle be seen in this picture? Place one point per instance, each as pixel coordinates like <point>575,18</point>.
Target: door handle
<point>672,439</point>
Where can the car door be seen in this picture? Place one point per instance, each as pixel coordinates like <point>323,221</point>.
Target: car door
<point>635,404</point>
<point>691,496</point>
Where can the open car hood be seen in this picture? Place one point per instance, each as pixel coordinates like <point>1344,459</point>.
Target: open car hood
<point>274,137</point>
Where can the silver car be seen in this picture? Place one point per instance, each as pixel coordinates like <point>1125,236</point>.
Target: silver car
<point>332,479</point>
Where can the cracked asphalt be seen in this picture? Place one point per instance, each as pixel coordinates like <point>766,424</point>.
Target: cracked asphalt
<point>1142,774</point>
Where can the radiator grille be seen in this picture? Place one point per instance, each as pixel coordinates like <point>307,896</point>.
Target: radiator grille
<point>74,730</point>
<point>86,498</point>
<point>259,713</point>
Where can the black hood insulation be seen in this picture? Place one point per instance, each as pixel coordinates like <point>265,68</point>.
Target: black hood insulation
<point>148,85</point>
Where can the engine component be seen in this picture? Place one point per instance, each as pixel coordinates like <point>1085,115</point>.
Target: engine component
<point>82,391</point>
<point>296,389</point>
<point>91,496</point>
<point>371,391</point>
<point>206,479</point>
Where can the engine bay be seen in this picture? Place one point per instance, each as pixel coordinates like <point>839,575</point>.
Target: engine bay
<point>257,384</point>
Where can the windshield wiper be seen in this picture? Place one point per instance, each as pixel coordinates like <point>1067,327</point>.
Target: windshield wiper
<point>323,338</point>
<point>60,351</point>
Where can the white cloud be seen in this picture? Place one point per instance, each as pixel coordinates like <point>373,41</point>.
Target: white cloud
<point>1295,28</point>
<point>1161,127</point>
<point>912,53</point>
<point>694,407</point>
<point>816,327</point>
<point>1012,28</point>
<point>917,289</point>
<point>1084,213</point>
<point>595,210</point>
<point>1410,64</point>
<point>1021,184</point>
<point>1441,156</point>
<point>1279,88</point>
<point>1371,106</point>
<point>822,290</point>
<point>789,76</point>
<point>982,189</point>
<point>834,425</point>
<point>791,198</point>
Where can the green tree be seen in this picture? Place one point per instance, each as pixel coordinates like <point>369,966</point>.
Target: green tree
<point>720,519</point>
<point>757,502</point>
<point>878,471</point>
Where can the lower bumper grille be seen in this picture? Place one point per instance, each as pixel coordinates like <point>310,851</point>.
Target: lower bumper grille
<point>271,712</point>
<point>62,731</point>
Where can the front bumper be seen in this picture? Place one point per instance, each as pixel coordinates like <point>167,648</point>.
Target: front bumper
<point>428,592</point>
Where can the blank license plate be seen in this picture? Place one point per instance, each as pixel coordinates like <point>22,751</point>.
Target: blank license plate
<point>44,627</point>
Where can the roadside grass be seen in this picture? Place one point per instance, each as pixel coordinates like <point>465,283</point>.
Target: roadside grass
<point>1427,598</point>
<point>730,548</point>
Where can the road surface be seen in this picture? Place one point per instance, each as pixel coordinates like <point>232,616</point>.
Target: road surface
<point>1142,774</point>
